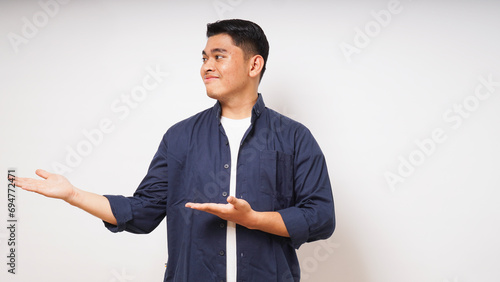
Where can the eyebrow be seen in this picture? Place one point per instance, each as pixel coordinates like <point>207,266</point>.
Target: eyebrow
<point>215,50</point>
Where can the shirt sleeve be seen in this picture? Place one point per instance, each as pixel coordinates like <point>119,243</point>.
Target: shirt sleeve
<point>312,217</point>
<point>144,211</point>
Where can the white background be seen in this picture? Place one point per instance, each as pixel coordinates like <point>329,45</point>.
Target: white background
<point>366,109</point>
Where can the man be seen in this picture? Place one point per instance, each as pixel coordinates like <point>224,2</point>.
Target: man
<point>241,185</point>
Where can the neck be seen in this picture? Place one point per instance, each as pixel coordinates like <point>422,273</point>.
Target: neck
<point>239,107</point>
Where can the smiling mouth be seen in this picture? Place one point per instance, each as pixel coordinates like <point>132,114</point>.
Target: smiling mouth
<point>208,78</point>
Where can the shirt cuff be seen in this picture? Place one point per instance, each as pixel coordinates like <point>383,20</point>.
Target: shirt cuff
<point>296,225</point>
<point>122,210</point>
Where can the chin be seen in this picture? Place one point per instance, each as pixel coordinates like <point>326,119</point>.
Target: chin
<point>214,95</point>
<point>211,95</point>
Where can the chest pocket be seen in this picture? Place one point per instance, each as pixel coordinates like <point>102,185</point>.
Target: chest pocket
<point>276,178</point>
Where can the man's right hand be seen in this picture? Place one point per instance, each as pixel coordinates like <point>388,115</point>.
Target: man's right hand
<point>57,186</point>
<point>52,185</point>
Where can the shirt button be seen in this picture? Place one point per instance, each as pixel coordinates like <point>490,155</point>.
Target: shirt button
<point>226,166</point>
<point>221,253</point>
<point>222,225</point>
<point>224,194</point>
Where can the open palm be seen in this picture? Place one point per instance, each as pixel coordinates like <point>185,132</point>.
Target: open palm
<point>52,185</point>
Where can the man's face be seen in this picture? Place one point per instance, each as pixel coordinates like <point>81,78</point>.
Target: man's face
<point>224,70</point>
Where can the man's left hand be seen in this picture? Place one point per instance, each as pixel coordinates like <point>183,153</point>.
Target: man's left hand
<point>236,210</point>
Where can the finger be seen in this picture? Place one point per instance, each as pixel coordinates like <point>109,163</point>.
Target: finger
<point>24,185</point>
<point>42,173</point>
<point>196,206</point>
<point>19,181</point>
<point>207,207</point>
<point>233,201</point>
<point>29,184</point>
<point>11,177</point>
<point>237,203</point>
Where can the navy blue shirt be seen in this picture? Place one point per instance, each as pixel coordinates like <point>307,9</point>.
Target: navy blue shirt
<point>280,168</point>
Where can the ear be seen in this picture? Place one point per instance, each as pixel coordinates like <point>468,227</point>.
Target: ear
<point>255,64</point>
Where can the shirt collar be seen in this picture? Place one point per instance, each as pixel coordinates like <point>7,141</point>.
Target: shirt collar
<point>257,109</point>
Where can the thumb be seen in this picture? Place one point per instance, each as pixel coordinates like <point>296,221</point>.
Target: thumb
<point>232,200</point>
<point>237,203</point>
<point>42,173</point>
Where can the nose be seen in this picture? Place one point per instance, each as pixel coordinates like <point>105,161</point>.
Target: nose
<point>207,65</point>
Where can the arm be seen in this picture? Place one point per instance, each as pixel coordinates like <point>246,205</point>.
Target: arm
<point>313,216</point>
<point>240,212</point>
<point>58,187</point>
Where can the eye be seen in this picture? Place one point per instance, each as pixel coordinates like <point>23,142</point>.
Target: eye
<point>218,57</point>
<point>203,59</point>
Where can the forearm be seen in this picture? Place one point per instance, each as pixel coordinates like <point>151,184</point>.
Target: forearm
<point>270,222</point>
<point>92,203</point>
<point>240,212</point>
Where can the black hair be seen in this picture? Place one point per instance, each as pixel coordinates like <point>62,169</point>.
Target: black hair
<point>245,34</point>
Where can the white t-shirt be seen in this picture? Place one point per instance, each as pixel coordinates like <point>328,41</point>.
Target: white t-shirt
<point>235,129</point>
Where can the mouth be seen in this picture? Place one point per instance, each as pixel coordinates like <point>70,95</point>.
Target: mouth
<point>209,78</point>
